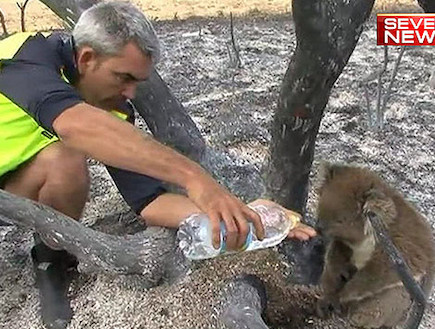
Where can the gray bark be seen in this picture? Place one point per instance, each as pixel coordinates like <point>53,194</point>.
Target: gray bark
<point>395,257</point>
<point>163,113</point>
<point>327,33</point>
<point>145,253</point>
<point>244,300</point>
<point>69,10</point>
<point>427,5</point>
<point>167,119</point>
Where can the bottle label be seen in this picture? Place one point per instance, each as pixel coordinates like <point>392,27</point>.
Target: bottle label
<point>223,246</point>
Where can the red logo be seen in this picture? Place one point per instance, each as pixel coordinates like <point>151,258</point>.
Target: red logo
<point>406,29</point>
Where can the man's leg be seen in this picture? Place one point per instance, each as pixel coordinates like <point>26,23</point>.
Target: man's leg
<point>57,177</point>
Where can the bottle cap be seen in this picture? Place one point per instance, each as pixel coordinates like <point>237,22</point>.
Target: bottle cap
<point>294,217</point>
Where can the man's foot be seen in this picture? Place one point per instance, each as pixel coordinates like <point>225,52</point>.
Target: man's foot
<point>54,271</point>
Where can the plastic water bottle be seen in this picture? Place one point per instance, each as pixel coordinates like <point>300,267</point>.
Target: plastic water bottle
<point>195,233</point>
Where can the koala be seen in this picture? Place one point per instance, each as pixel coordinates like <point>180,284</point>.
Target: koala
<point>358,280</point>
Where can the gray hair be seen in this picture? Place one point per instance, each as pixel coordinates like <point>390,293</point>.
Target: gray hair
<point>108,26</point>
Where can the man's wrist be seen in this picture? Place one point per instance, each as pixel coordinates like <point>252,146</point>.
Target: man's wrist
<point>195,177</point>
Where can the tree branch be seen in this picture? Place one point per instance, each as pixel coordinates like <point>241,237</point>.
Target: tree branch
<point>369,110</point>
<point>379,113</point>
<point>399,264</point>
<point>144,253</point>
<point>166,117</point>
<point>393,77</point>
<point>235,62</point>
<point>22,8</point>
<point>3,23</point>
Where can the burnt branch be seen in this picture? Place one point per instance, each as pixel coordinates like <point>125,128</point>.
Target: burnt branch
<point>369,110</point>
<point>393,77</point>
<point>400,265</point>
<point>3,23</point>
<point>22,8</point>
<point>427,5</point>
<point>234,50</point>
<point>379,113</point>
<point>166,117</point>
<point>145,253</point>
<point>381,100</point>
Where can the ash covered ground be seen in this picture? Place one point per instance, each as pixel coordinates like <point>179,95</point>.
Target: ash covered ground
<point>233,108</point>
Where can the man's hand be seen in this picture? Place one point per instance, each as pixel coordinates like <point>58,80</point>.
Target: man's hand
<point>220,205</point>
<point>300,231</point>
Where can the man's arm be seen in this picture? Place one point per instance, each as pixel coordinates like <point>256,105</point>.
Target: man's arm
<point>119,144</point>
<point>170,209</point>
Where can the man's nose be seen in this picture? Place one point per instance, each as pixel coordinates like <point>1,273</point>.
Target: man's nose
<point>129,90</point>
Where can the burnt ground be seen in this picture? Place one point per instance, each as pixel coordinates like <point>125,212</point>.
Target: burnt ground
<point>233,108</point>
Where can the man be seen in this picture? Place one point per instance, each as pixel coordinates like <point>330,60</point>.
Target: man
<point>65,99</point>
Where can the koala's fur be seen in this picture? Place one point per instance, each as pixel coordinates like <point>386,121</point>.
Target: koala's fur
<point>357,278</point>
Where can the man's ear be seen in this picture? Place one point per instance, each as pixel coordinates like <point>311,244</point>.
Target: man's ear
<point>86,58</point>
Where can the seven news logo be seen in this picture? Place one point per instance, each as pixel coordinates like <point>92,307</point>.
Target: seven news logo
<point>406,29</point>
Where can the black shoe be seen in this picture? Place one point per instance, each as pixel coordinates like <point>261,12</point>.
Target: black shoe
<point>54,271</point>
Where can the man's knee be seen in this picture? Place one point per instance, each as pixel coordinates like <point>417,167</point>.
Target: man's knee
<point>55,165</point>
<point>66,184</point>
<point>65,166</point>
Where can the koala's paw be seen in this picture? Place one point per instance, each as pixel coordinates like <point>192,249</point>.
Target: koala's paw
<point>327,306</point>
<point>347,273</point>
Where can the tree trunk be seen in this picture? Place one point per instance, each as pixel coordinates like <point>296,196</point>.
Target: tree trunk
<point>163,113</point>
<point>146,253</point>
<point>327,33</point>
<point>427,5</point>
<point>69,10</point>
<point>167,119</point>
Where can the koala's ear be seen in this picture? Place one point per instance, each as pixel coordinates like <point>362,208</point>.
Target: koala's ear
<point>327,172</point>
<point>377,201</point>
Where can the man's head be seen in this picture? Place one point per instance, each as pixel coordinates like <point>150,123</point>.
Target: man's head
<point>116,48</point>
